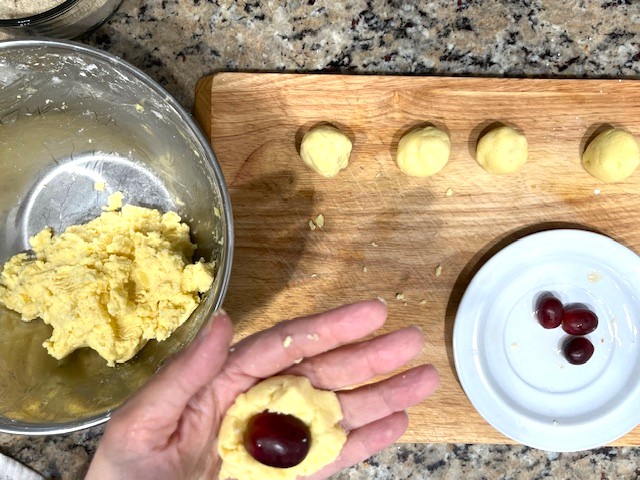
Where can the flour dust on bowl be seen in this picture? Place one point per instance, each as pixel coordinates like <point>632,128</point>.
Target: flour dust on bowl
<point>514,371</point>
<point>76,126</point>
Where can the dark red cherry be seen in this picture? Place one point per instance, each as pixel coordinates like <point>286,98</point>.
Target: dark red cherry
<point>549,311</point>
<point>277,440</point>
<point>577,350</point>
<point>579,321</point>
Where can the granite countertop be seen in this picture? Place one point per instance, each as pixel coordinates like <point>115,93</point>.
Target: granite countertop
<point>179,41</point>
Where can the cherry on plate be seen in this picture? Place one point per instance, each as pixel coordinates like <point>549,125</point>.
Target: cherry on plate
<point>277,440</point>
<point>549,311</point>
<point>577,350</point>
<point>579,321</point>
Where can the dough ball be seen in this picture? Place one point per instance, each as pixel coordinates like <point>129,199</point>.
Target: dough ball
<point>325,149</point>
<point>502,150</point>
<point>612,156</point>
<point>423,152</point>
<point>319,409</point>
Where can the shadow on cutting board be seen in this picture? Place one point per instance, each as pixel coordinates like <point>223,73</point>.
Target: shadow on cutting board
<point>268,247</point>
<point>478,260</point>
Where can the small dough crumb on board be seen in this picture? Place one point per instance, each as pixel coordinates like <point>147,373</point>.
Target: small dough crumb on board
<point>317,222</point>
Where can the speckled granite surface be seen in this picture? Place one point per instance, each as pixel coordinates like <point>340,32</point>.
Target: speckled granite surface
<point>179,41</point>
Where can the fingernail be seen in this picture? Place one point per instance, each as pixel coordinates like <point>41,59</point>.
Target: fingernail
<point>220,312</point>
<point>382,300</point>
<point>206,328</point>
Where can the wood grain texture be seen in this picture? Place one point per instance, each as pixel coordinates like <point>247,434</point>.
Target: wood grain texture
<point>386,233</point>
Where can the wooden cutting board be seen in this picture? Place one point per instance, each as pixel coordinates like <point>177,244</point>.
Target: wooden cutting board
<point>389,235</point>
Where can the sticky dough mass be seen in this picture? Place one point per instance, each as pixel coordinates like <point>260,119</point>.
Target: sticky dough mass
<point>112,284</point>
<point>292,395</point>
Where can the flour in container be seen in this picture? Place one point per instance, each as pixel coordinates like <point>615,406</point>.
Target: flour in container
<point>26,8</point>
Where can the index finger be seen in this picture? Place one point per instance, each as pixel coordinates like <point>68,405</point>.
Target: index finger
<point>267,353</point>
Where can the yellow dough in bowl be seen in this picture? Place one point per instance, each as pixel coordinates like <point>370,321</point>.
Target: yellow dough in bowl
<point>423,152</point>
<point>325,149</point>
<point>287,394</point>
<point>612,156</point>
<point>112,284</point>
<point>502,150</point>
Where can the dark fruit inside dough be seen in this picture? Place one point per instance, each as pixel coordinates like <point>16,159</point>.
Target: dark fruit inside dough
<point>277,440</point>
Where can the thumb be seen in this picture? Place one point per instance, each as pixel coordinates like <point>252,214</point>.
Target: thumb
<point>163,399</point>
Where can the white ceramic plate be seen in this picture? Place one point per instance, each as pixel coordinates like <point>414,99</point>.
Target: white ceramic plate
<point>512,369</point>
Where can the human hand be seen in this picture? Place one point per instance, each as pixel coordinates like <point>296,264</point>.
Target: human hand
<point>169,429</point>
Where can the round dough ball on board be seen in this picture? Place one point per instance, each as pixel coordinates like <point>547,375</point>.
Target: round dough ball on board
<point>423,152</point>
<point>612,156</point>
<point>325,149</point>
<point>502,150</point>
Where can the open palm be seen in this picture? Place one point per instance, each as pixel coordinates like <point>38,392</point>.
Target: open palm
<point>169,429</point>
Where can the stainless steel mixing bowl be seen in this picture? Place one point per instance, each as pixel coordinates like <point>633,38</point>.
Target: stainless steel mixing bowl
<point>70,117</point>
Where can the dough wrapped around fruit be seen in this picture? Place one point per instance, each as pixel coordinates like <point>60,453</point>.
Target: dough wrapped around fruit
<point>281,429</point>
